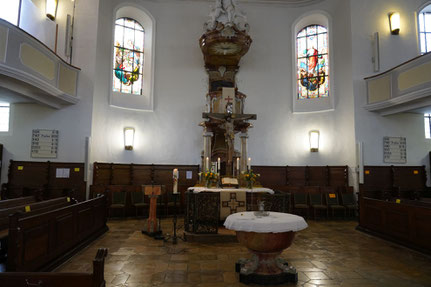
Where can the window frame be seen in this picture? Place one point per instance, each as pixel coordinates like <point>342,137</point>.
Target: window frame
<point>9,131</point>
<point>425,6</point>
<point>145,101</point>
<point>325,104</point>
<point>140,72</point>
<point>298,58</point>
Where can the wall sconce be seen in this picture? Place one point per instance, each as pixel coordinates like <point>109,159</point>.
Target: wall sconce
<point>314,140</point>
<point>129,136</point>
<point>394,23</point>
<point>51,9</point>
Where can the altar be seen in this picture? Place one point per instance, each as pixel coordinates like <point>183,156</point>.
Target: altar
<point>206,208</point>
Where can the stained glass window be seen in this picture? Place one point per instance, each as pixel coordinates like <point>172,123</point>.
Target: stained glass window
<point>424,18</point>
<point>128,57</point>
<point>313,62</point>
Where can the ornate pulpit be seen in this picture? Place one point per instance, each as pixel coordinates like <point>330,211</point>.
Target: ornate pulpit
<point>223,44</point>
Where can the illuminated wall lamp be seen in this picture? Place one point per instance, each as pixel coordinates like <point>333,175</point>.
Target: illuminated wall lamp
<point>129,137</point>
<point>394,23</point>
<point>314,140</point>
<point>51,9</point>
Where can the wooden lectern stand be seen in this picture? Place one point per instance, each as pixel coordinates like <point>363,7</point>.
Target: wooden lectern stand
<point>151,227</point>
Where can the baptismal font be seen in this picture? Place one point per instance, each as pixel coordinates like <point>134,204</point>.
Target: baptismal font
<point>223,44</point>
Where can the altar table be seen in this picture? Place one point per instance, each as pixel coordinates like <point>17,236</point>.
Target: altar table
<point>232,200</point>
<point>265,237</point>
<point>196,189</point>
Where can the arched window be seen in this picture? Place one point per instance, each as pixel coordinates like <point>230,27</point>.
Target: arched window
<point>128,57</point>
<point>132,59</point>
<point>424,24</point>
<point>312,62</point>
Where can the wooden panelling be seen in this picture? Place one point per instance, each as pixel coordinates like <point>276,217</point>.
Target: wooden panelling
<point>121,174</point>
<point>338,175</point>
<point>411,177</point>
<point>317,175</point>
<point>271,176</point>
<point>296,175</point>
<point>28,177</point>
<point>377,177</point>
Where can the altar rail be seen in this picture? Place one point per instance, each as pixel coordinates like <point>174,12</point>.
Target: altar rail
<point>130,177</point>
<point>27,177</point>
<point>385,182</point>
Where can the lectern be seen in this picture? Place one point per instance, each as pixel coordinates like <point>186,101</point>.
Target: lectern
<point>152,226</point>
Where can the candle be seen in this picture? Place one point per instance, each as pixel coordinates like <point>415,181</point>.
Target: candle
<point>175,179</point>
<point>207,163</point>
<point>237,163</point>
<point>249,164</point>
<point>218,165</point>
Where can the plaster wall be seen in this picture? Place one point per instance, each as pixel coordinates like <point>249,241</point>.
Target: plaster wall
<point>73,122</point>
<point>371,127</point>
<point>170,134</point>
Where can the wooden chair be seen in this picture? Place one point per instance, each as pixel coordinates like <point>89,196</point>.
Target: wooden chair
<point>300,202</point>
<point>316,203</point>
<point>119,201</point>
<point>349,202</point>
<point>138,201</point>
<point>334,204</point>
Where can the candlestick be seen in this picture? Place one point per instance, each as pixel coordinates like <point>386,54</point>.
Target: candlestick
<point>218,165</point>
<point>175,179</point>
<point>249,164</point>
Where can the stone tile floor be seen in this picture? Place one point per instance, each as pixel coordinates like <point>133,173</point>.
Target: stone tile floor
<point>328,253</point>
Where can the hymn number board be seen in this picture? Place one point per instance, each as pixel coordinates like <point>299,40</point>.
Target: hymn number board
<point>44,144</point>
<point>394,150</point>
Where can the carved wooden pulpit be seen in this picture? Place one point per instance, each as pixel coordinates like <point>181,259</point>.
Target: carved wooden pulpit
<point>152,191</point>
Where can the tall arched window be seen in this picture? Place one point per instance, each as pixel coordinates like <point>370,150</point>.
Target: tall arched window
<point>424,24</point>
<point>132,58</point>
<point>128,57</point>
<point>312,62</point>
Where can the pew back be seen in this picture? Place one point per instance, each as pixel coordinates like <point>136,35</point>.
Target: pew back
<point>7,203</point>
<point>39,242</point>
<point>53,279</point>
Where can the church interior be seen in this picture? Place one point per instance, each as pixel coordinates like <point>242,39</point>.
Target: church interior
<point>215,143</point>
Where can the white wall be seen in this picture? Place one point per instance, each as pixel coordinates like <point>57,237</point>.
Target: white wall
<point>170,134</point>
<point>73,122</point>
<point>371,127</point>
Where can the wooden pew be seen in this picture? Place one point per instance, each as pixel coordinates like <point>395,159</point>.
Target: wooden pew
<point>32,209</point>
<point>53,279</point>
<point>41,242</point>
<point>7,203</point>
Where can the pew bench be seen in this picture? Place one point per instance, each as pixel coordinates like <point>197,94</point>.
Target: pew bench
<point>8,203</point>
<point>42,241</point>
<point>53,279</point>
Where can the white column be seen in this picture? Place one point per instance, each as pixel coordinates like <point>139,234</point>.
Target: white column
<point>243,163</point>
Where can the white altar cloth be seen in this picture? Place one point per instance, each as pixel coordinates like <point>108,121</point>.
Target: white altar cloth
<point>275,222</point>
<point>197,189</point>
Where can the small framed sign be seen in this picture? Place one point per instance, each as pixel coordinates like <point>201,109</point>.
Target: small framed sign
<point>44,144</point>
<point>394,150</point>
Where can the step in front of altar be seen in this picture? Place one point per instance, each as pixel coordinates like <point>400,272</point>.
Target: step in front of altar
<point>223,236</point>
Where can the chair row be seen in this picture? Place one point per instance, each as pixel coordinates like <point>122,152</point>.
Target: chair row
<point>325,203</point>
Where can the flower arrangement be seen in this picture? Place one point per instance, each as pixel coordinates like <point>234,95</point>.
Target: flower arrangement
<point>208,177</point>
<point>250,177</point>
